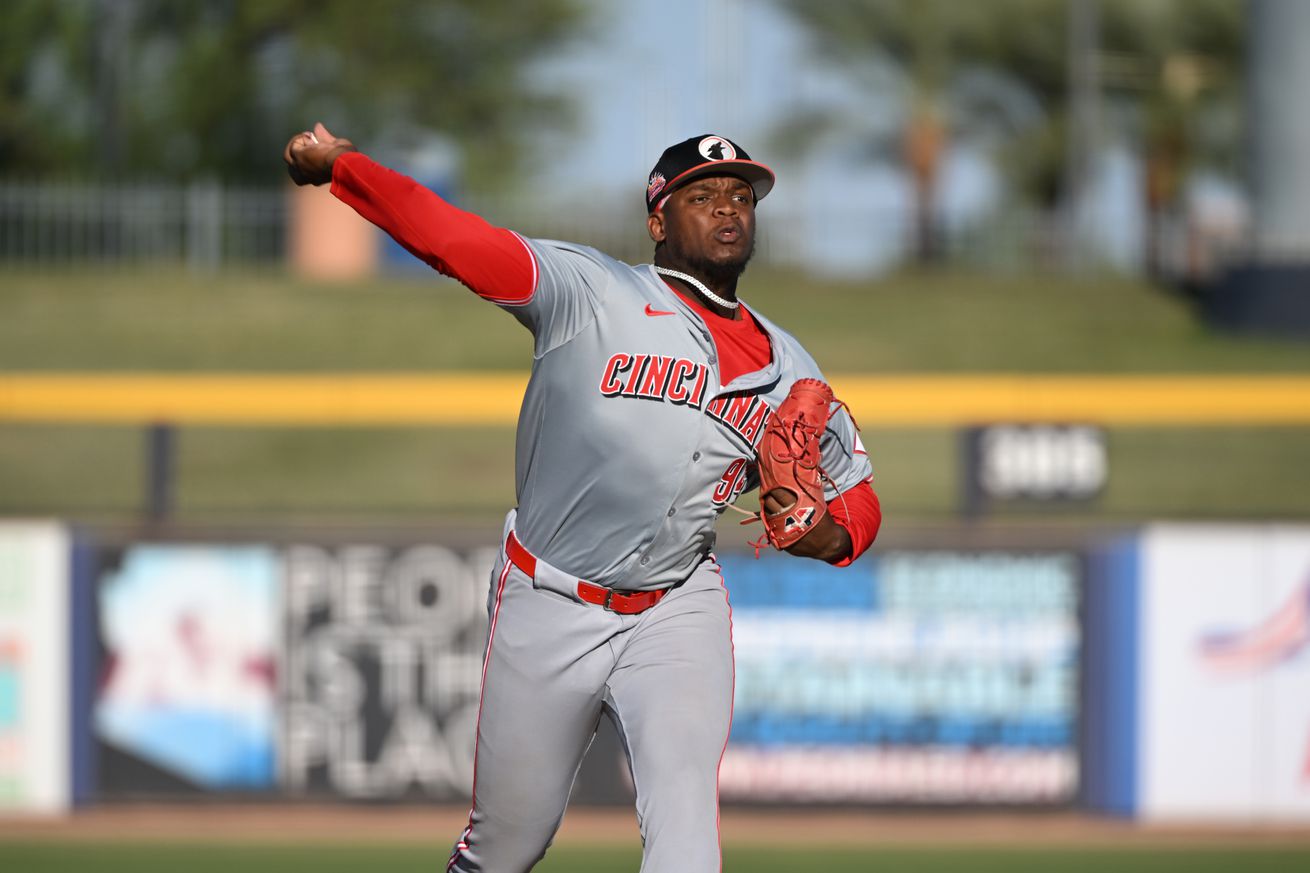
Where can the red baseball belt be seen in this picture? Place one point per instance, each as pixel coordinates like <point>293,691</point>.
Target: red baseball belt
<point>622,602</point>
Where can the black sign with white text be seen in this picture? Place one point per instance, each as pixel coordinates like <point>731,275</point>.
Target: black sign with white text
<point>381,670</point>
<point>1033,462</point>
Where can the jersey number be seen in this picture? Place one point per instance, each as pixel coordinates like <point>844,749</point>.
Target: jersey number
<point>731,484</point>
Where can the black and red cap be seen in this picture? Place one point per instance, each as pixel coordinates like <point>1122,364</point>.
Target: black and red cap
<point>704,155</point>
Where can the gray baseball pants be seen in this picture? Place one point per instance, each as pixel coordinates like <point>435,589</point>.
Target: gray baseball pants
<point>554,665</point>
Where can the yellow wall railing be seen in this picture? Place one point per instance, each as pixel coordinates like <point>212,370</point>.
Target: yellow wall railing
<point>469,399</point>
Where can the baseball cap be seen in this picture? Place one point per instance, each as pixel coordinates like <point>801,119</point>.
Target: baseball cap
<point>705,155</point>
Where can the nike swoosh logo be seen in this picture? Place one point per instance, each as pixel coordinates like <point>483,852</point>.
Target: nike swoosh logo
<point>650,310</point>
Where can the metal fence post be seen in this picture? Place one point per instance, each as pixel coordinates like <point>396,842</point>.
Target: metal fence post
<point>160,452</point>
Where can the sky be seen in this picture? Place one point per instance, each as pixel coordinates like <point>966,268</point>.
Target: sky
<point>657,73</point>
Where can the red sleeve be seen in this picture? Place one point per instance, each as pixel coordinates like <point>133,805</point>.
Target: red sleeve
<point>495,263</point>
<point>858,511</point>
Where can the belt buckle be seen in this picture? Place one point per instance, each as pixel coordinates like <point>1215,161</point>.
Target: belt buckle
<point>609,597</point>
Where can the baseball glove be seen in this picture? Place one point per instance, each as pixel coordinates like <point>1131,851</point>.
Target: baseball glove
<point>789,459</point>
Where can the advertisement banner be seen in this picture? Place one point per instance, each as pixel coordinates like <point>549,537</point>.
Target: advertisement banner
<point>352,671</point>
<point>347,672</point>
<point>382,670</point>
<point>1224,672</point>
<point>35,742</point>
<point>919,677</point>
<point>188,637</point>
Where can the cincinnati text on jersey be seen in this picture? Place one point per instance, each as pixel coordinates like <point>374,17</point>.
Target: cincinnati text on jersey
<point>744,414</point>
<point>655,377</point>
<point>683,381</point>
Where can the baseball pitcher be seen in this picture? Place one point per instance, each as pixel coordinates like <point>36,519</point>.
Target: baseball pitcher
<point>656,399</point>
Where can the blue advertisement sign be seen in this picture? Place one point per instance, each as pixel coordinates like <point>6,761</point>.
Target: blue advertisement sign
<point>929,677</point>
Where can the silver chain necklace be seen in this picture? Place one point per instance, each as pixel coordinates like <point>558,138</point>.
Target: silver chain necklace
<point>699,286</point>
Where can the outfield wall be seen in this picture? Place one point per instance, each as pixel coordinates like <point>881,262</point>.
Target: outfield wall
<point>1162,673</point>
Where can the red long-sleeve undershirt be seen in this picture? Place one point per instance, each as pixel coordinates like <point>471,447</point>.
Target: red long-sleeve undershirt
<point>497,264</point>
<point>492,261</point>
<point>858,510</point>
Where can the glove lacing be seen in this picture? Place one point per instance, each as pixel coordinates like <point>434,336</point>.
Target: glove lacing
<point>752,517</point>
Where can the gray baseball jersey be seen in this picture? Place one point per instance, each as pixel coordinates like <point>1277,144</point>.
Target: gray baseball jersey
<point>628,448</point>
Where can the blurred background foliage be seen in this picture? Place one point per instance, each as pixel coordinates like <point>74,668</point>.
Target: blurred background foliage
<point>1002,76</point>
<point>176,89</point>
<point>179,89</point>
<point>173,90</point>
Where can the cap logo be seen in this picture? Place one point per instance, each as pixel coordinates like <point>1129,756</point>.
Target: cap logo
<point>655,185</point>
<point>716,148</point>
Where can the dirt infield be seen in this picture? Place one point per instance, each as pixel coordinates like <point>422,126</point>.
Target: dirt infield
<point>596,826</point>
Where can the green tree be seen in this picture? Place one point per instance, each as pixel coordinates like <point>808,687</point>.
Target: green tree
<point>999,72</point>
<point>179,88</point>
<point>1169,76</point>
<point>1176,71</point>
<point>926,54</point>
<point>46,84</point>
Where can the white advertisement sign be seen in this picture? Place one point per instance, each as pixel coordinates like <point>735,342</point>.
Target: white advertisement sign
<point>34,670</point>
<point>1225,672</point>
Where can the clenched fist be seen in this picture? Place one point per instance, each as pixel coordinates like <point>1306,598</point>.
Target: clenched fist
<point>310,155</point>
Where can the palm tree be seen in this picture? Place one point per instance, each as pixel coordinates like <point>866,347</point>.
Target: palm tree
<point>1175,69</point>
<point>924,52</point>
<point>998,73</point>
